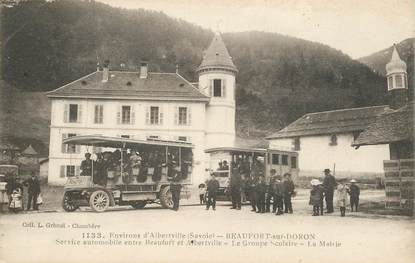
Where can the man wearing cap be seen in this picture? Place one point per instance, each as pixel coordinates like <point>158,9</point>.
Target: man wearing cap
<point>329,184</point>
<point>354,192</point>
<point>86,165</point>
<point>288,186</point>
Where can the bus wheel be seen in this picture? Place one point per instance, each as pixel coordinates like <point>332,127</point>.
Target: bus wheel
<point>68,204</point>
<point>99,201</point>
<point>166,199</point>
<point>139,204</point>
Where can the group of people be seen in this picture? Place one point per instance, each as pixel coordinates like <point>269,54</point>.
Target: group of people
<point>133,165</point>
<point>14,191</point>
<point>326,189</point>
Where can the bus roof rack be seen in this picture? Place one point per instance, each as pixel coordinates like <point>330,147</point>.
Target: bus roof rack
<point>117,142</point>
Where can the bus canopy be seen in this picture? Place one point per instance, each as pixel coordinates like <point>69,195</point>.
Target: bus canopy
<point>235,149</point>
<point>117,142</point>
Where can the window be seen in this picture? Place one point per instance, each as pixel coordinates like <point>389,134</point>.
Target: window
<point>182,138</point>
<point>217,88</point>
<point>284,159</point>
<point>99,114</point>
<point>70,170</point>
<point>296,144</point>
<point>399,82</point>
<point>156,137</point>
<point>390,82</point>
<point>182,116</point>
<point>69,148</point>
<point>126,114</point>
<point>275,159</point>
<point>293,162</point>
<point>125,136</point>
<point>333,140</point>
<point>154,115</point>
<point>73,112</point>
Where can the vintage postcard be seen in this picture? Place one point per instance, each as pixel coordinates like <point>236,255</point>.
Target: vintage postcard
<point>207,131</point>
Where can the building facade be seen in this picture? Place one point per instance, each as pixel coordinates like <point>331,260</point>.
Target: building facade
<point>145,105</point>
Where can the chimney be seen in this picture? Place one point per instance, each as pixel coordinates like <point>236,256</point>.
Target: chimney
<point>105,71</point>
<point>177,69</point>
<point>143,69</point>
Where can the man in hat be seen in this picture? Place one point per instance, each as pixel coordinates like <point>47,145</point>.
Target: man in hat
<point>288,185</point>
<point>212,191</point>
<point>261,189</point>
<point>175,189</point>
<point>235,187</point>
<point>86,165</point>
<point>33,191</point>
<point>329,184</point>
<point>354,192</point>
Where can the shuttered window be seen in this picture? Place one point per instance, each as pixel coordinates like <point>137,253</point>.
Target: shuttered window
<point>69,171</point>
<point>126,114</point>
<point>99,114</point>
<point>70,148</point>
<point>72,113</point>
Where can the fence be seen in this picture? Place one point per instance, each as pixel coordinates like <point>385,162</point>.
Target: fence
<point>399,183</point>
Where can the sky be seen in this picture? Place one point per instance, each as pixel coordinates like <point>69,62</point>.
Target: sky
<point>356,27</point>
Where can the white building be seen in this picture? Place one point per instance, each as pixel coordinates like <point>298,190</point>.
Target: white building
<point>145,105</point>
<point>325,139</point>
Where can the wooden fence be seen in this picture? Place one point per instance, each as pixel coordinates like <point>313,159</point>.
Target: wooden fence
<point>399,183</point>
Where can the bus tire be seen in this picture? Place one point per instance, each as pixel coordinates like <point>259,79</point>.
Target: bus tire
<point>68,204</point>
<point>166,199</point>
<point>138,204</point>
<point>99,201</point>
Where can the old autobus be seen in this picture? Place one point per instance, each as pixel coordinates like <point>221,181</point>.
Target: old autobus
<point>128,172</point>
<point>258,161</point>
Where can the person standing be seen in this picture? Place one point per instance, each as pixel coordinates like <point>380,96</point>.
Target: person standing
<point>329,184</point>
<point>354,192</point>
<point>261,189</point>
<point>341,194</point>
<point>236,186</point>
<point>288,185</point>
<point>202,193</point>
<point>315,196</point>
<point>321,193</point>
<point>278,196</point>
<point>212,190</point>
<point>251,183</point>
<point>175,188</point>
<point>33,191</point>
<point>271,194</point>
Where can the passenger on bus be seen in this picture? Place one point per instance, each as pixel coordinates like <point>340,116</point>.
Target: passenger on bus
<point>225,165</point>
<point>135,161</point>
<point>100,170</point>
<point>86,165</point>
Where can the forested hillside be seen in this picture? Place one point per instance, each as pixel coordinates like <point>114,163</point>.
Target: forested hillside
<point>377,61</point>
<point>48,44</point>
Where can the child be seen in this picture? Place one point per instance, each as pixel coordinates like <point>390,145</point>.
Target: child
<point>354,193</point>
<point>315,196</point>
<point>202,193</point>
<point>16,201</point>
<point>341,193</point>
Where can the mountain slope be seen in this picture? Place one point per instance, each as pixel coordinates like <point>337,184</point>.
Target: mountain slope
<point>280,78</point>
<point>378,60</point>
